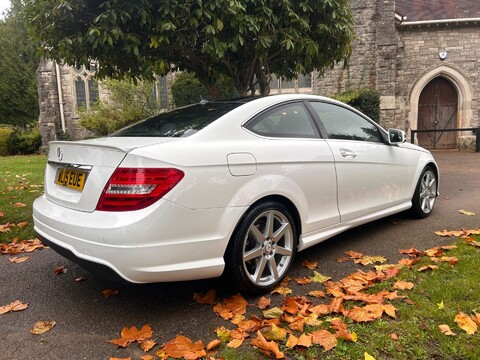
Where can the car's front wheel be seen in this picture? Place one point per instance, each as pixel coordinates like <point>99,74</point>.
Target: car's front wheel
<point>263,247</point>
<point>425,194</point>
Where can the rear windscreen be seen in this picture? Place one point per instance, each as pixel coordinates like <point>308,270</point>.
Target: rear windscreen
<point>181,122</point>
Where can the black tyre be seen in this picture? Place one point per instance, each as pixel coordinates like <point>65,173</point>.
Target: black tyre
<point>425,194</point>
<point>263,247</point>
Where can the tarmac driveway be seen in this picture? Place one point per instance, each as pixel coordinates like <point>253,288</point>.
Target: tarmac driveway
<point>86,320</point>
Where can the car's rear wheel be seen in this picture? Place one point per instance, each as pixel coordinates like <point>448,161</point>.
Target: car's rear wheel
<point>263,247</point>
<point>425,194</point>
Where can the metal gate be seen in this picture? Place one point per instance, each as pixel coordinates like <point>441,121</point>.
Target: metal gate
<point>437,110</point>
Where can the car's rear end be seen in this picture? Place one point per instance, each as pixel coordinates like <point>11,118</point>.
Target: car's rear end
<point>110,205</point>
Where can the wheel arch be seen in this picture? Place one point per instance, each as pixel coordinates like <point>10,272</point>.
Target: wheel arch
<point>275,198</point>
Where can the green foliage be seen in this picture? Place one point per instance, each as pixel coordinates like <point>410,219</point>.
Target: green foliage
<point>187,89</point>
<point>5,134</point>
<point>365,100</point>
<point>243,40</point>
<point>18,64</point>
<point>127,103</point>
<point>24,141</point>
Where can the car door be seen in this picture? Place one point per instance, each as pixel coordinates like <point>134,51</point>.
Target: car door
<point>371,174</point>
<point>298,161</point>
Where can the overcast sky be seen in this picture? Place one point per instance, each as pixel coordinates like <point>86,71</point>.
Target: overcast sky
<point>4,4</point>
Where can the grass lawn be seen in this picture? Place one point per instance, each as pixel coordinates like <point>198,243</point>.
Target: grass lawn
<point>21,182</point>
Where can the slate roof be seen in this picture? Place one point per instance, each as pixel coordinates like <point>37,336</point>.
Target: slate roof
<point>429,10</point>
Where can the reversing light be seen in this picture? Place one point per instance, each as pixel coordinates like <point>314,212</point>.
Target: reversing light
<point>136,188</point>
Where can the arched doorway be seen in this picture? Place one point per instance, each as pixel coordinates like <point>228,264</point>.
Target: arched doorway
<point>437,110</point>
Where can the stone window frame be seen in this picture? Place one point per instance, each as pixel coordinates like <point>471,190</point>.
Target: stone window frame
<point>87,75</point>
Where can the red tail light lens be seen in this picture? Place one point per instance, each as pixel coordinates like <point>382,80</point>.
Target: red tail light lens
<point>136,188</point>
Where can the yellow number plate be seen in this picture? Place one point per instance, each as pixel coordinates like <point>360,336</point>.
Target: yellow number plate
<point>72,178</point>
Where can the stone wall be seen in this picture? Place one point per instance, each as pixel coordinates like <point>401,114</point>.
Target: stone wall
<point>48,101</point>
<point>361,71</point>
<point>373,61</point>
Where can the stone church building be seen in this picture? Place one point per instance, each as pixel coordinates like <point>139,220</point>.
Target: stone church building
<point>423,56</point>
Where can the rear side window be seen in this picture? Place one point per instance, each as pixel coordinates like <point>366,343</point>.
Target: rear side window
<point>290,120</point>
<point>181,122</point>
<point>344,124</point>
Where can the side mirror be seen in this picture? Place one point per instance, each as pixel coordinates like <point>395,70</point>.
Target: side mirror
<point>396,136</point>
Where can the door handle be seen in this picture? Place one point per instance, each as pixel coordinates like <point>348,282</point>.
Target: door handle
<point>348,154</point>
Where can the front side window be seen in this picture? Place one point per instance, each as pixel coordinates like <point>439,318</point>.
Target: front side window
<point>344,124</point>
<point>290,120</point>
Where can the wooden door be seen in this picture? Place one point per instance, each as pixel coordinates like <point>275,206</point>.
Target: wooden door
<point>437,110</point>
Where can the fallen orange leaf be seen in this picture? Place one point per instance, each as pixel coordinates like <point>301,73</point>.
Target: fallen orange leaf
<point>263,303</point>
<point>282,290</point>
<point>147,345</point>
<point>234,305</point>
<point>213,344</point>
<point>108,292</point>
<point>235,343</point>
<point>317,293</point>
<point>324,338</point>
<point>466,323</point>
<point>60,270</point>
<point>182,347</point>
<point>42,327</point>
<point>354,254</point>
<point>267,347</point>
<point>305,340</point>
<point>445,329</point>
<point>130,335</point>
<point>206,298</point>
<point>312,265</point>
<point>16,305</point>
<point>428,267</point>
<point>394,336</point>
<point>403,285</point>
<point>18,260</point>
<point>19,204</point>
<point>292,341</point>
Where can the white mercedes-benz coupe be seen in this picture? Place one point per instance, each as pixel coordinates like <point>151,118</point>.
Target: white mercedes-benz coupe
<point>236,186</point>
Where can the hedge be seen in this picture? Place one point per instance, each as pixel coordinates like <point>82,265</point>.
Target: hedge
<point>365,100</point>
<point>17,141</point>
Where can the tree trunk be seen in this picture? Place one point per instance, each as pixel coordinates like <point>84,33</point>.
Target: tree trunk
<point>263,80</point>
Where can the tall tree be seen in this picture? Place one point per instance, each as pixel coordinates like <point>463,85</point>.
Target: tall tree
<point>18,64</point>
<point>243,40</point>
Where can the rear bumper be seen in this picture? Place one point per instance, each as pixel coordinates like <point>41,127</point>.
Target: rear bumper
<point>164,242</point>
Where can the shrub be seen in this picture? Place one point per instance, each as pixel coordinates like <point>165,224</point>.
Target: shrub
<point>24,142</point>
<point>5,134</point>
<point>187,89</point>
<point>365,100</point>
<point>126,103</point>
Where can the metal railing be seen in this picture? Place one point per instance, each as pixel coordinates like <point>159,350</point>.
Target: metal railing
<point>476,131</point>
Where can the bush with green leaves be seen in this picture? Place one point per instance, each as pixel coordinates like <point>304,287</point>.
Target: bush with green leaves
<point>24,141</point>
<point>365,100</point>
<point>126,103</point>
<point>187,89</point>
<point>5,134</point>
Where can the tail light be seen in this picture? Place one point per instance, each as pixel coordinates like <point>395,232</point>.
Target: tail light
<point>136,188</point>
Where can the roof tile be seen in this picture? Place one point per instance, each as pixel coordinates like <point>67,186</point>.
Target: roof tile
<point>425,10</point>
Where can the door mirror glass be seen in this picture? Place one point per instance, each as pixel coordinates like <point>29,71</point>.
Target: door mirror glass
<point>396,136</point>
